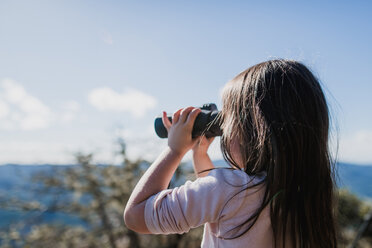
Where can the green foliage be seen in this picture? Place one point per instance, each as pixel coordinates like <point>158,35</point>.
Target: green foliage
<point>349,209</point>
<point>351,214</point>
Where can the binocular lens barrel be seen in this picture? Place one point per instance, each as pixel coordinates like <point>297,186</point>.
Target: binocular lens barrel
<point>205,123</point>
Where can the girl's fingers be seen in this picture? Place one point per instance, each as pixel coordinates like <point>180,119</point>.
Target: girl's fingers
<point>167,124</point>
<point>176,116</point>
<point>184,114</point>
<point>192,116</point>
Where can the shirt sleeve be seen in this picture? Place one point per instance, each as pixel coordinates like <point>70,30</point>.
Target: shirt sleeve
<point>188,206</point>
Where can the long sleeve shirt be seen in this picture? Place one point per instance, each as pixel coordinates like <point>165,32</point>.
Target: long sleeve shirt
<point>222,201</point>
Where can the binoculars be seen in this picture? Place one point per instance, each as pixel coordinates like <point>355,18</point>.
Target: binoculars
<point>205,123</point>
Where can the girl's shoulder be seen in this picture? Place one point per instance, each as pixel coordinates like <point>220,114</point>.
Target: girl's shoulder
<point>225,181</point>
<point>234,177</point>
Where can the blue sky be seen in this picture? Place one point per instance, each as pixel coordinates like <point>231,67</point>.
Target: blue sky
<point>76,75</point>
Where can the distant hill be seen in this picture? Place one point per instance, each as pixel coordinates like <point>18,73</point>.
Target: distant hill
<point>15,181</point>
<point>356,178</point>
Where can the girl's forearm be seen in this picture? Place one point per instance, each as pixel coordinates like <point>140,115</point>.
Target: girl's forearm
<point>155,179</point>
<point>201,162</point>
<point>160,173</point>
<point>157,176</point>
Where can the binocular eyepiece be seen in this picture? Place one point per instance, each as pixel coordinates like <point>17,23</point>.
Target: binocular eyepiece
<point>205,123</point>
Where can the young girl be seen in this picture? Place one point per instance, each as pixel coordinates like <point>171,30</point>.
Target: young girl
<point>279,189</point>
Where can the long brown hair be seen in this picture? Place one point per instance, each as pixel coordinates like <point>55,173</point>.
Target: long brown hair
<point>278,113</point>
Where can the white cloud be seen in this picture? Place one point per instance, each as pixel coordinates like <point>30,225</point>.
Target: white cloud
<point>70,110</point>
<point>133,101</point>
<point>21,110</point>
<point>4,109</point>
<point>356,148</point>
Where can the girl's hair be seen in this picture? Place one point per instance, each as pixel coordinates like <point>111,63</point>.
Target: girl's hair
<point>278,113</point>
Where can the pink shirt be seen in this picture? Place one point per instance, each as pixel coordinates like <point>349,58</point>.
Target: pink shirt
<point>209,200</point>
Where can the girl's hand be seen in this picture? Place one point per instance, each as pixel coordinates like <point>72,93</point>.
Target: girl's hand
<point>180,129</point>
<point>201,147</point>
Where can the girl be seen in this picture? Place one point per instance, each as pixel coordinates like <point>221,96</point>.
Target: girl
<point>279,189</point>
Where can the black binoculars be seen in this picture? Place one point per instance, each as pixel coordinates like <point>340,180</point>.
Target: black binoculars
<point>205,123</point>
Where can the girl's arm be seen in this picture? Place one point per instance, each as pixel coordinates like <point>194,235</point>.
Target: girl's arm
<point>159,174</point>
<point>200,157</point>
